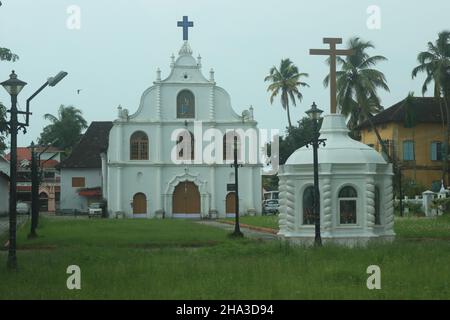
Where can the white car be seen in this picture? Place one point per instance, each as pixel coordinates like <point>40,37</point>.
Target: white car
<point>22,208</point>
<point>95,209</point>
<point>271,206</point>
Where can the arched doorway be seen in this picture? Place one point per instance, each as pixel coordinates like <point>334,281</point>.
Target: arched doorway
<point>186,199</point>
<point>230,203</point>
<point>43,202</point>
<point>139,203</point>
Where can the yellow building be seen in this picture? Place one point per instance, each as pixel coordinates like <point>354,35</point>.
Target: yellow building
<point>414,133</point>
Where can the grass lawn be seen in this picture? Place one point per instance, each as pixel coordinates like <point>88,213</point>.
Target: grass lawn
<point>177,259</point>
<point>411,227</point>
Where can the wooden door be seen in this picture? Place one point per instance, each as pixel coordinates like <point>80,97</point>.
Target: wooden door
<point>186,198</point>
<point>231,203</point>
<point>139,203</point>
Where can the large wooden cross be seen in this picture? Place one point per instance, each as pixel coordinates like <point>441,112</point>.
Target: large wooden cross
<point>333,53</point>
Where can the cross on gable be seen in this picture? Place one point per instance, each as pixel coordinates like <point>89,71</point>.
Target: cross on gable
<point>185,24</point>
<point>333,53</point>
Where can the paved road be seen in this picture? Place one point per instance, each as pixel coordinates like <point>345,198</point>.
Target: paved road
<point>247,232</point>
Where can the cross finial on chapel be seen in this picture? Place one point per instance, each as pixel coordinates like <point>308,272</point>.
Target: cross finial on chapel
<point>333,53</point>
<point>185,24</point>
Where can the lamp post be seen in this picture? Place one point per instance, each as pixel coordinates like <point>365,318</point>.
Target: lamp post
<point>34,191</point>
<point>314,114</point>
<point>53,81</point>
<point>36,176</point>
<point>13,86</point>
<point>237,230</point>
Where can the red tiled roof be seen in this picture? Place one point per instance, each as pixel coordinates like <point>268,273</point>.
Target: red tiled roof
<point>49,163</point>
<point>23,153</point>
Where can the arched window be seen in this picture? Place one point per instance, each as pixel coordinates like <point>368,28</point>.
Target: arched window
<point>185,105</point>
<point>186,146</point>
<point>228,146</point>
<point>308,206</point>
<point>139,146</point>
<point>377,207</point>
<point>347,205</point>
<point>139,203</point>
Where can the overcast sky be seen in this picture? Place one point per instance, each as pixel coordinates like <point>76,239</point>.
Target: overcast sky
<point>114,55</point>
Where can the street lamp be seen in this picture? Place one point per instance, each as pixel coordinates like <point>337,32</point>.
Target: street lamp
<point>314,114</point>
<point>237,230</point>
<point>36,177</point>
<point>13,86</point>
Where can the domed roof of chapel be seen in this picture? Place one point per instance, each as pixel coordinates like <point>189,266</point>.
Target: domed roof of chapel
<point>339,148</point>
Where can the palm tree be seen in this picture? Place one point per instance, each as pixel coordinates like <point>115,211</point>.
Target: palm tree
<point>286,80</point>
<point>65,129</point>
<point>357,83</point>
<point>435,63</point>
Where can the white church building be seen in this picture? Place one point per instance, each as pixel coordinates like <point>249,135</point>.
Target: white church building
<point>172,157</point>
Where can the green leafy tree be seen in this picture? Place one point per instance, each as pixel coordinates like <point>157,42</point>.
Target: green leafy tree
<point>296,138</point>
<point>357,86</point>
<point>5,55</point>
<point>435,63</point>
<point>65,129</point>
<point>285,81</point>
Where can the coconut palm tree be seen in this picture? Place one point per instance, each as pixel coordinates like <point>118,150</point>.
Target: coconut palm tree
<point>435,63</point>
<point>65,129</point>
<point>285,81</point>
<point>357,85</point>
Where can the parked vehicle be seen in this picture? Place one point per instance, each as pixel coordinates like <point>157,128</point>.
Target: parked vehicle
<point>22,208</point>
<point>271,206</point>
<point>271,195</point>
<point>95,210</point>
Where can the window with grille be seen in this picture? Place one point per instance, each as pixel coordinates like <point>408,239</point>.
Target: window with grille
<point>308,206</point>
<point>348,205</point>
<point>436,151</point>
<point>139,146</point>
<point>228,146</point>
<point>186,146</point>
<point>185,105</point>
<point>408,151</point>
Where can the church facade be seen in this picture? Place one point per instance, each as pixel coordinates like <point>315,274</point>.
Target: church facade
<point>173,156</point>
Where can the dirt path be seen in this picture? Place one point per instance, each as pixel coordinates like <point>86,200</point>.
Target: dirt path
<point>250,233</point>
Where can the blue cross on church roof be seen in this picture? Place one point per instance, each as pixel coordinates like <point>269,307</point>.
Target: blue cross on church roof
<point>185,24</point>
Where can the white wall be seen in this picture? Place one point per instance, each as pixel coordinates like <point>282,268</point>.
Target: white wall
<point>70,199</point>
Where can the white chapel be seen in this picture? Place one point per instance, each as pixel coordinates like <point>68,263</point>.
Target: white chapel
<point>161,160</point>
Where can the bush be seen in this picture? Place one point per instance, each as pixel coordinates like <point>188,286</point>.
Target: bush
<point>415,209</point>
<point>441,204</point>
